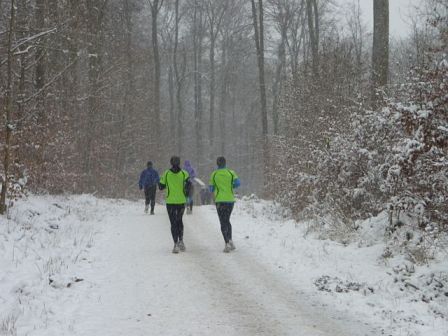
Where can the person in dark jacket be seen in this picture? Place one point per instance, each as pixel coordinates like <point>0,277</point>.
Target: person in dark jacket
<point>149,178</point>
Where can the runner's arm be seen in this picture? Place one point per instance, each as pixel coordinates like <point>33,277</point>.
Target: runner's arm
<point>236,183</point>
<point>162,182</point>
<point>236,179</point>
<point>140,182</point>
<point>211,183</point>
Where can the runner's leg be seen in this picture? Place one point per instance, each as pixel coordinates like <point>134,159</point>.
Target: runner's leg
<point>152,196</point>
<point>172,214</point>
<point>180,214</point>
<point>223,219</point>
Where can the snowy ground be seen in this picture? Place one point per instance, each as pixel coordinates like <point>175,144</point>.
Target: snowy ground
<point>83,266</point>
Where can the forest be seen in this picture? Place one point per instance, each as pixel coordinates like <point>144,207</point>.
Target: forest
<point>329,117</point>
<point>328,214</point>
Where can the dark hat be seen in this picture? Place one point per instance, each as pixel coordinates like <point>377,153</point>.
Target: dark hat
<point>149,163</point>
<point>221,161</point>
<point>175,161</point>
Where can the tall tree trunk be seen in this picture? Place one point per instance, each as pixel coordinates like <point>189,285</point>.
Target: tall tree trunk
<point>215,11</point>
<point>8,112</point>
<point>380,52</point>
<point>259,44</point>
<point>39,82</point>
<point>155,8</point>
<point>195,61</point>
<point>22,27</point>
<point>179,100</point>
<point>128,82</point>
<point>173,78</point>
<point>297,41</point>
<point>172,107</point>
<point>72,87</point>
<point>95,27</point>
<point>178,81</point>
<point>278,77</point>
<point>198,117</point>
<point>313,28</point>
<point>223,97</point>
<point>197,51</point>
<point>39,16</point>
<point>212,89</point>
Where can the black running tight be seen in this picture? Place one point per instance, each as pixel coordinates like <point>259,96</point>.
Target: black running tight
<point>224,212</point>
<point>175,213</point>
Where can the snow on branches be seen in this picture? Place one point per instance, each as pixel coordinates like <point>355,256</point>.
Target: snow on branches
<point>394,158</point>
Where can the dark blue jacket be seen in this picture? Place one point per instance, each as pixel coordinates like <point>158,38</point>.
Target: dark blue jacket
<point>148,178</point>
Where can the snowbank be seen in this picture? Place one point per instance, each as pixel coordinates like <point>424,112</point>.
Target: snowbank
<point>360,277</point>
<point>47,261</point>
<point>44,247</point>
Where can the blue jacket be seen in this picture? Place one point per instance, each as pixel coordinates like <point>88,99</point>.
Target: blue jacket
<point>148,178</point>
<point>190,170</point>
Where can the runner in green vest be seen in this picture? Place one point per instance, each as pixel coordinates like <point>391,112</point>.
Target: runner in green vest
<point>222,182</point>
<point>176,182</point>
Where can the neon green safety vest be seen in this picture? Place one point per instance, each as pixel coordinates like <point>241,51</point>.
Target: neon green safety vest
<point>222,180</point>
<point>175,186</point>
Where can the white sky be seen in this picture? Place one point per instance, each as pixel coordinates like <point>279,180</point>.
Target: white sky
<point>399,14</point>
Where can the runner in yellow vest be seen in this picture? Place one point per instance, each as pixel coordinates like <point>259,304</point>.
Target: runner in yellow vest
<point>176,182</point>
<point>222,182</point>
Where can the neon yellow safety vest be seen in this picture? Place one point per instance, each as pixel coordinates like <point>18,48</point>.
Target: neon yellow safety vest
<point>175,186</point>
<point>222,181</point>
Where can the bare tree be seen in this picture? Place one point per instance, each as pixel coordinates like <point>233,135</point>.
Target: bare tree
<point>215,11</point>
<point>128,81</point>
<point>198,26</point>
<point>40,53</point>
<point>313,29</point>
<point>357,32</point>
<point>296,38</point>
<point>9,127</point>
<point>155,6</point>
<point>179,76</point>
<point>380,51</point>
<point>283,14</point>
<point>223,94</point>
<point>95,17</point>
<point>258,23</point>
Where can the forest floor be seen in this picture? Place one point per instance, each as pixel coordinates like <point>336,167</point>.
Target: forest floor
<point>79,265</point>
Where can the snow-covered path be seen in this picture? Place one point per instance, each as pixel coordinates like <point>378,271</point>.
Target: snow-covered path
<point>83,266</point>
<point>138,287</point>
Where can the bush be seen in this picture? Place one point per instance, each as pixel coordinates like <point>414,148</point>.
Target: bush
<point>394,158</point>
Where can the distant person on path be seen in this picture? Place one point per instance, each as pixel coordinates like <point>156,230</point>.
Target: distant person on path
<point>177,183</point>
<point>190,170</point>
<point>222,182</point>
<point>206,196</point>
<point>148,182</point>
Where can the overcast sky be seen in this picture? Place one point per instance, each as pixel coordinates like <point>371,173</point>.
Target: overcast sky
<point>399,14</point>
